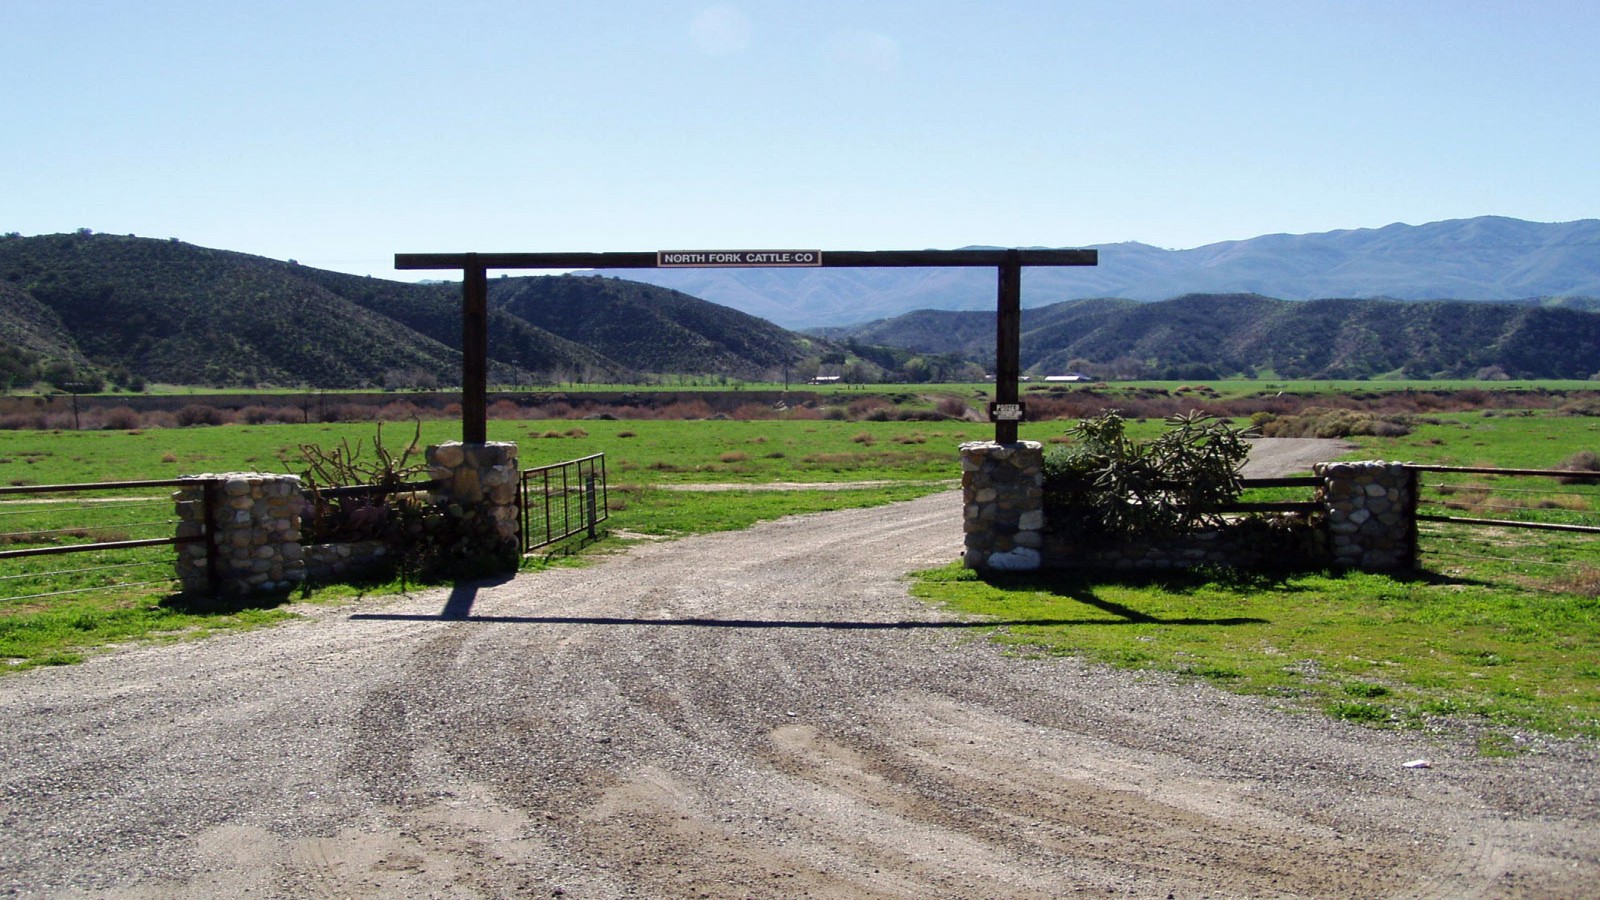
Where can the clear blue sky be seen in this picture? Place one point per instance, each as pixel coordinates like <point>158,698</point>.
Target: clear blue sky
<point>338,133</point>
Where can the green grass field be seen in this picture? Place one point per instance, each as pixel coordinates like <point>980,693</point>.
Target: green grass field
<point>642,451</point>
<point>1500,635</point>
<point>1504,639</point>
<point>45,617</point>
<point>1369,648</point>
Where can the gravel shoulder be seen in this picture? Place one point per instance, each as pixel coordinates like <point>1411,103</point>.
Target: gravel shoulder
<point>764,713</point>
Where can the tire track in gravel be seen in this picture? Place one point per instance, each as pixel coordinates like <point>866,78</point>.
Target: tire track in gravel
<point>756,714</point>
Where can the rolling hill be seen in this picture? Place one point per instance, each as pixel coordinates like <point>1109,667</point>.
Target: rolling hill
<point>138,309</point>
<point>646,328</point>
<point>173,312</point>
<point>1215,335</point>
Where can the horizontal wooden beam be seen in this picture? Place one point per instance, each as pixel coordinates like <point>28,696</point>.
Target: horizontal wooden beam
<point>844,259</point>
<point>1287,481</point>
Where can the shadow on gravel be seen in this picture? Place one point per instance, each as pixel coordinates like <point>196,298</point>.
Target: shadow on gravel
<point>1135,619</point>
<point>458,606</point>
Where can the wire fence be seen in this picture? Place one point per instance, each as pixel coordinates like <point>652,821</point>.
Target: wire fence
<point>1537,527</point>
<point>67,540</point>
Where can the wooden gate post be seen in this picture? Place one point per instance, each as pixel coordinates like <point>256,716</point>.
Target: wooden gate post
<point>1008,343</point>
<point>474,351</point>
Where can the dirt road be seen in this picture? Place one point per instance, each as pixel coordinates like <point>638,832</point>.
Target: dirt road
<point>756,714</point>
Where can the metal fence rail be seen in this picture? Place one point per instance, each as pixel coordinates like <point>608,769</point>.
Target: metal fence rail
<point>1537,521</point>
<point>1567,505</point>
<point>122,536</point>
<point>563,499</point>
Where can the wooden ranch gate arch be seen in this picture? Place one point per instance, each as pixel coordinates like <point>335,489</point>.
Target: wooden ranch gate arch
<point>1006,412</point>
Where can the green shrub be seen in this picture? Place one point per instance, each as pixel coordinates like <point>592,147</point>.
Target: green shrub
<point>1106,485</point>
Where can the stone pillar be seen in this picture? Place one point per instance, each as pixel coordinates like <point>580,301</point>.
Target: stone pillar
<point>1370,514</point>
<point>1002,492</point>
<point>478,486</point>
<point>255,522</point>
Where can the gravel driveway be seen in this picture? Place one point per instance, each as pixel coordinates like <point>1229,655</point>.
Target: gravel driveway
<point>755,714</point>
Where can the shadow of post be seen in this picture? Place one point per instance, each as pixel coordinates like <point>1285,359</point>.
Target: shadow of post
<point>458,606</point>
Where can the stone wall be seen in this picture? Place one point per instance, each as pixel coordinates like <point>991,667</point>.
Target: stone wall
<point>478,486</point>
<point>1002,492</point>
<point>332,562</point>
<point>1371,514</point>
<point>255,522</point>
<point>257,533</point>
<point>1367,522</point>
<point>1262,547</point>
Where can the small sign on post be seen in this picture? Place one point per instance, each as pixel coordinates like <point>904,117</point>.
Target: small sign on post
<point>733,259</point>
<point>1008,412</point>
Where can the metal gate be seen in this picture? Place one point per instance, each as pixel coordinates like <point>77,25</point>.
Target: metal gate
<point>125,536</point>
<point>1543,521</point>
<point>563,499</point>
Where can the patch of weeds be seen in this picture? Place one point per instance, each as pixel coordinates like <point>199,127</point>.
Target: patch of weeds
<point>1443,706</point>
<point>1494,745</point>
<point>1365,690</point>
<point>1213,672</point>
<point>1359,712</point>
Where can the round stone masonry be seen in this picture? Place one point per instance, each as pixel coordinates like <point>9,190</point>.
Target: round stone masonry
<point>256,518</point>
<point>478,479</point>
<point>1002,491</point>
<point>1370,514</point>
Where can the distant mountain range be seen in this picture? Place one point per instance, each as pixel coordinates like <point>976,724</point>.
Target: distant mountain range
<point>140,309</point>
<point>1203,336</point>
<point>85,308</point>
<point>1486,258</point>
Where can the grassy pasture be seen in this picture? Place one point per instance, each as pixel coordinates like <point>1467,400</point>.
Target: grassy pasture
<point>644,458</point>
<point>1503,645</point>
<point>651,451</point>
<point>1367,648</point>
<point>1501,634</point>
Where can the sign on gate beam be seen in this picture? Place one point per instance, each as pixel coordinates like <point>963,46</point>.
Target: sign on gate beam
<point>833,259</point>
<point>732,259</point>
